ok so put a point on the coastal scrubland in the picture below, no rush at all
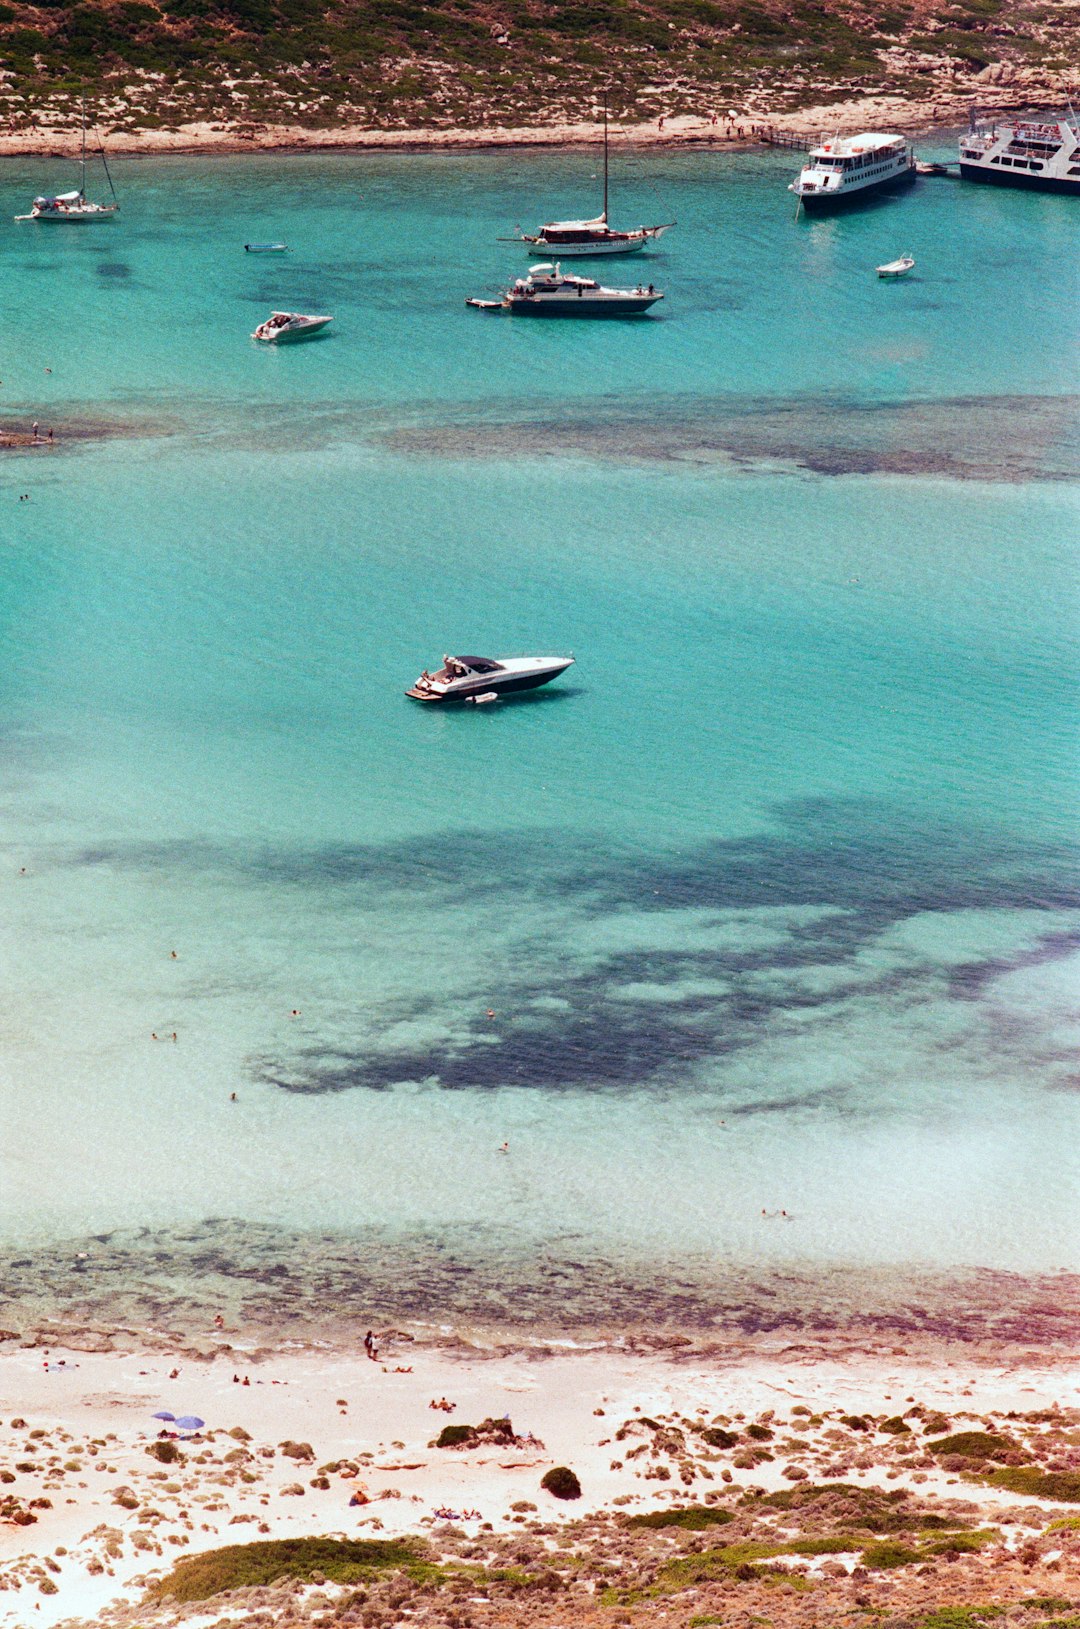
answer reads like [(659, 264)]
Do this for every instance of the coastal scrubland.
[(680, 1493), (247, 66)]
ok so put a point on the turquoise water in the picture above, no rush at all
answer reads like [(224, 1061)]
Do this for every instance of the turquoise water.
[(772, 904)]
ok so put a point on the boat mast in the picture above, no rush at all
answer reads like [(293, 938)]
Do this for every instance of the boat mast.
[(603, 217), (82, 182)]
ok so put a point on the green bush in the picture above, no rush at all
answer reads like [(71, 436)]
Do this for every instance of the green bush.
[(452, 1436), (1063, 1485), (167, 1452), (562, 1483), (973, 1445), (240, 1566), (888, 1554), (692, 1518)]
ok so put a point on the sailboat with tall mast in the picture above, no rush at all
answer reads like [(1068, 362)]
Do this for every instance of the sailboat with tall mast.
[(74, 206), (595, 237)]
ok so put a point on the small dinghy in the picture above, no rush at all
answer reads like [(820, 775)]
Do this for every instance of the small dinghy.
[(285, 327), (481, 701), (266, 248), (896, 268)]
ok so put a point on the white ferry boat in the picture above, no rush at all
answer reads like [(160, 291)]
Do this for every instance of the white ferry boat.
[(1022, 153), (849, 169)]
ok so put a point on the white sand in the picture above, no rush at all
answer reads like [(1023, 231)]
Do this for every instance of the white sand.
[(387, 1417)]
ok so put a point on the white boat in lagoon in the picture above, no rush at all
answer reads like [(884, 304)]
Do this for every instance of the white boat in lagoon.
[(850, 169), (1043, 156), (482, 679), (592, 237), (75, 207), (896, 268), (266, 248), (286, 327), (548, 291)]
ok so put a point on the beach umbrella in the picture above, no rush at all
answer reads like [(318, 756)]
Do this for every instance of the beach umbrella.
[(190, 1422), (163, 1414)]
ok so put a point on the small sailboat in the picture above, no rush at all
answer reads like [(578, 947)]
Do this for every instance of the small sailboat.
[(897, 268), (594, 237), (74, 206), (286, 327)]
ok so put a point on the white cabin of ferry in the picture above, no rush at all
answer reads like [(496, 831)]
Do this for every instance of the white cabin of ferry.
[(1042, 155), (847, 165)]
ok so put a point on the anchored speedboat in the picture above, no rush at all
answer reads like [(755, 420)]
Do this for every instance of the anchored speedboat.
[(285, 327), (548, 291), (897, 268), (483, 678)]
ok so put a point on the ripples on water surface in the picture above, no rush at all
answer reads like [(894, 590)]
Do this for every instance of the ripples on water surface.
[(771, 905)]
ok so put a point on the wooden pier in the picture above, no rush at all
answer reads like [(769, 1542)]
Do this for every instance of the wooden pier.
[(787, 138)]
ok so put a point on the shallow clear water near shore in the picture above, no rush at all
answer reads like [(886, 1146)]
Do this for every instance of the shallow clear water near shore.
[(773, 903)]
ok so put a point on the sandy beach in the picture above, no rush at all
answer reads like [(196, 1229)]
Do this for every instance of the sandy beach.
[(291, 1437), (946, 103)]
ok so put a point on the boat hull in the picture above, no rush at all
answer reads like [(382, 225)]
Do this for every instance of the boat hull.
[(586, 251), (70, 217), (828, 203), (1022, 181), (546, 306)]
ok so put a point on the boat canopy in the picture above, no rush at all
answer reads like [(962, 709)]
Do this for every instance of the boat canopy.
[(479, 664), (598, 225), (60, 198)]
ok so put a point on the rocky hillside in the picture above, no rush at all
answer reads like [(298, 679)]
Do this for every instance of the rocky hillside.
[(394, 63)]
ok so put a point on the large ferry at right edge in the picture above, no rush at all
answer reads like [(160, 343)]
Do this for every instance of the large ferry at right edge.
[(1044, 157), (849, 169)]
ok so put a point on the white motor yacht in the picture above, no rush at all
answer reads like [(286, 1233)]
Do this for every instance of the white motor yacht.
[(483, 678), (548, 291), (849, 169), (285, 327)]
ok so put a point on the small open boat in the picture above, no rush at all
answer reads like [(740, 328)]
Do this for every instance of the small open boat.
[(285, 327), (266, 248), (896, 268)]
